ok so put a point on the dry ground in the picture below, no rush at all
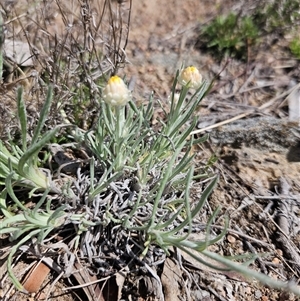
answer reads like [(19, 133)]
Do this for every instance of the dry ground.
[(258, 155)]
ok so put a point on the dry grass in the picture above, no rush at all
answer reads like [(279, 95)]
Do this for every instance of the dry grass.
[(74, 46)]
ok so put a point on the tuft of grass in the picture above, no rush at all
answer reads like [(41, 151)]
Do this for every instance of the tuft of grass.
[(230, 35), (277, 16), (21, 162), (295, 47)]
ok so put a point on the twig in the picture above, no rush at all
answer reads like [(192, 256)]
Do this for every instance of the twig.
[(213, 291), (286, 208), (221, 123), (245, 236), (252, 249), (264, 106)]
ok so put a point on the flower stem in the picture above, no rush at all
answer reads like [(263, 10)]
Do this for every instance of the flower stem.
[(120, 123)]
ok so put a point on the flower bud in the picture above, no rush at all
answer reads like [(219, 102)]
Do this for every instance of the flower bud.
[(190, 77), (116, 92)]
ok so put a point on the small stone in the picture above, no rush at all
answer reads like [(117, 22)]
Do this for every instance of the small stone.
[(231, 239), (258, 294), (276, 260)]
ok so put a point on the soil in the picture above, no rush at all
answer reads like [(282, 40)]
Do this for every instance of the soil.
[(258, 153)]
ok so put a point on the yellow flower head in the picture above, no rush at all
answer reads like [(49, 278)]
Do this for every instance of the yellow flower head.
[(116, 92), (191, 77)]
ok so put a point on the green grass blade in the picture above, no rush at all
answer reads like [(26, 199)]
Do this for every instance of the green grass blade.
[(266, 280), (26, 167), (3, 206), (11, 274), (43, 116), (190, 216), (208, 190), (11, 193), (22, 117)]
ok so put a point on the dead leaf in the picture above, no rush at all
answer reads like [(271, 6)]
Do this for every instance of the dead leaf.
[(170, 278), (36, 277), (120, 279), (93, 291)]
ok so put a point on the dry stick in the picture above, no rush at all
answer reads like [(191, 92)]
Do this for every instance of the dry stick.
[(285, 237), (294, 271), (252, 250), (245, 84), (221, 123), (265, 105), (53, 283), (287, 244), (215, 293), (249, 79), (272, 221), (15, 18), (245, 236)]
